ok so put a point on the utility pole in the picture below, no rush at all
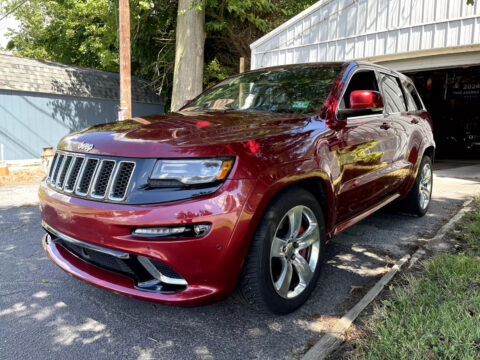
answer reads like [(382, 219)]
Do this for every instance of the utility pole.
[(242, 65), (125, 65)]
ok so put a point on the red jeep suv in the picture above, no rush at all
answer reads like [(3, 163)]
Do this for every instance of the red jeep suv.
[(240, 188)]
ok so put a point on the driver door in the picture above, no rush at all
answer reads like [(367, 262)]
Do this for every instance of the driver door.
[(365, 151)]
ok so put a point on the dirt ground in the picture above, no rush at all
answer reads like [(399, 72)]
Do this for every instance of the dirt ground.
[(23, 176)]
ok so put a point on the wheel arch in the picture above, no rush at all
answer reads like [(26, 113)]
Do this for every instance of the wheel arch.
[(430, 152), (317, 184), (314, 185)]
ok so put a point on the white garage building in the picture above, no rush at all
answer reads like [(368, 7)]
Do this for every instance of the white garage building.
[(436, 42)]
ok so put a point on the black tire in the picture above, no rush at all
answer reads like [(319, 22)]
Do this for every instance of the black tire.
[(412, 204), (256, 285)]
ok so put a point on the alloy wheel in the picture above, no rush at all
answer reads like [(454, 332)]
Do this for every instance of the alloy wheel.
[(425, 191), (295, 252)]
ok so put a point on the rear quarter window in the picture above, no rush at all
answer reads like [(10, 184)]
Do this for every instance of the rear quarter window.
[(395, 101), (413, 99)]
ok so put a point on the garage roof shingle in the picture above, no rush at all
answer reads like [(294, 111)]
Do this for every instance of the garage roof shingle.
[(38, 76)]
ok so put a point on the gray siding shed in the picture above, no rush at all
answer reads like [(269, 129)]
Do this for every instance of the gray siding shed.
[(42, 101)]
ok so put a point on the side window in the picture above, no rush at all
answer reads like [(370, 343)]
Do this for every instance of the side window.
[(413, 100), (361, 80), (395, 102)]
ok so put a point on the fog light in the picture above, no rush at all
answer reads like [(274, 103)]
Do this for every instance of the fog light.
[(187, 231)]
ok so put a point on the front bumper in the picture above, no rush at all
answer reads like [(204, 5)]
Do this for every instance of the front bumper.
[(209, 266)]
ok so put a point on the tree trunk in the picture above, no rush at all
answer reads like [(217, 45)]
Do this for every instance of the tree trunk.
[(189, 49)]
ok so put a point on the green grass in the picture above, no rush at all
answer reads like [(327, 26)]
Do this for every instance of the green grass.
[(470, 227), (436, 313)]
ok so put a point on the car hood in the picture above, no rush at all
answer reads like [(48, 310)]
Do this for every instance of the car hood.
[(190, 134)]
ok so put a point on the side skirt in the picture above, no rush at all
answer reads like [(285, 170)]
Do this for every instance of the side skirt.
[(347, 223)]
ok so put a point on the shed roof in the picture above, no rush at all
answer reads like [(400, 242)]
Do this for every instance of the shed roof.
[(39, 76)]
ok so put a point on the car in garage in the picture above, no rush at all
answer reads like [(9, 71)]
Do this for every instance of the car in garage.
[(241, 188)]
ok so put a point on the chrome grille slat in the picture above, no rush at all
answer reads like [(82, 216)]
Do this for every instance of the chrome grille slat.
[(102, 179), (86, 176), (73, 174), (91, 176), (122, 177), (67, 161), (58, 164), (52, 167)]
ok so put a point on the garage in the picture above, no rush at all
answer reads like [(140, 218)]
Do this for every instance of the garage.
[(452, 97), (435, 42)]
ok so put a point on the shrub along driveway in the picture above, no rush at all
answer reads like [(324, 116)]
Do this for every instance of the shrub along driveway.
[(44, 313)]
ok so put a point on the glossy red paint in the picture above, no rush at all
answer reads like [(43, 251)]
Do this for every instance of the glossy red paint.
[(364, 99), (193, 295), (354, 166)]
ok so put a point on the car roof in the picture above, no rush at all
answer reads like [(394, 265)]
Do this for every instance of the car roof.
[(302, 65), (345, 64)]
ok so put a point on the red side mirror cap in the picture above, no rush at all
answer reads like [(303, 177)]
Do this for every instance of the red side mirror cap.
[(366, 99)]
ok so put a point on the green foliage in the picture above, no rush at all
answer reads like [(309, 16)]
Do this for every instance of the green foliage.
[(214, 72), (68, 31), (84, 33)]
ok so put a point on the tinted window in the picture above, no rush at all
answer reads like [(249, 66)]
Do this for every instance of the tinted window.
[(413, 100), (290, 90), (361, 80), (395, 102)]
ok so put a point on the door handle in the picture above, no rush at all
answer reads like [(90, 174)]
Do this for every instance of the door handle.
[(414, 121), (385, 126)]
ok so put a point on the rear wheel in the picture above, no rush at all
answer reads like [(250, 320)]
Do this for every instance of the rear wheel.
[(418, 199), (283, 263)]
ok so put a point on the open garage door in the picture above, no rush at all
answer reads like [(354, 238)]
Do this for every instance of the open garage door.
[(452, 96)]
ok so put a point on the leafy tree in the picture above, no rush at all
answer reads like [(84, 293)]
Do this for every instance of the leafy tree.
[(84, 33)]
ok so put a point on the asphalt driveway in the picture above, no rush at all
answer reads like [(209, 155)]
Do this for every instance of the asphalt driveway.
[(45, 313)]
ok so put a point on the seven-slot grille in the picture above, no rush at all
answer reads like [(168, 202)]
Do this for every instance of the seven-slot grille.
[(88, 176)]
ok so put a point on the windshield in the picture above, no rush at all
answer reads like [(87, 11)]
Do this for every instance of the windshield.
[(291, 90)]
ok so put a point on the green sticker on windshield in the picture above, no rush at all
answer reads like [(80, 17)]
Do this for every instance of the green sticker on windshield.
[(301, 104)]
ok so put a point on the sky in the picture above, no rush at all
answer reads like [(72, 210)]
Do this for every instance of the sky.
[(8, 22)]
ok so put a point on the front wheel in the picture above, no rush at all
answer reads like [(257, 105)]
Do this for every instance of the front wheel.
[(418, 199), (283, 263)]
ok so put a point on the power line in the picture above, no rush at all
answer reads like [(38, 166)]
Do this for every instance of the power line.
[(13, 10)]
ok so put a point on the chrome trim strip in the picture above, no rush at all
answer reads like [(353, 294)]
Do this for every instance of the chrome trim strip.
[(360, 117), (147, 264), (73, 241)]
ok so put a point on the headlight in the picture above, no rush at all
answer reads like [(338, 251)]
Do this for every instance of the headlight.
[(190, 172)]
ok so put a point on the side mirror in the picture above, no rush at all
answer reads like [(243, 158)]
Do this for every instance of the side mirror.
[(362, 102), (364, 99)]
